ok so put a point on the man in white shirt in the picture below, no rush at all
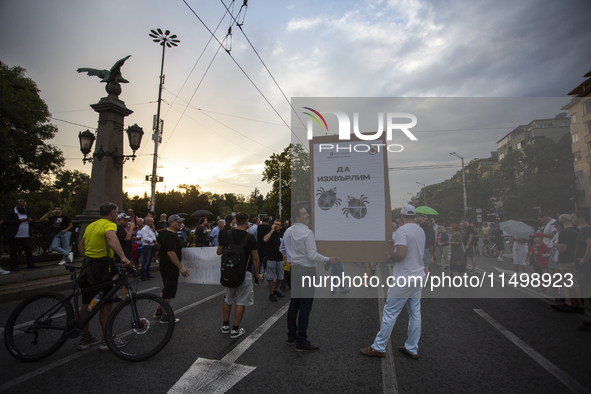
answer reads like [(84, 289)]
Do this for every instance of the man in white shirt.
[(304, 258), (148, 236), (255, 224), (409, 275)]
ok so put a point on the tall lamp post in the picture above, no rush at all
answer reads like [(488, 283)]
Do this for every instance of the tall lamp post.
[(464, 184), (165, 40), (424, 191)]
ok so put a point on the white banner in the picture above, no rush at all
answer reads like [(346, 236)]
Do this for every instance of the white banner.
[(203, 265)]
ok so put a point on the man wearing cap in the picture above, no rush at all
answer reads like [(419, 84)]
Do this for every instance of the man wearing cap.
[(429, 237), (170, 262), (409, 275)]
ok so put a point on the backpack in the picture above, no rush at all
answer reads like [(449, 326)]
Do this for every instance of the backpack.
[(234, 262)]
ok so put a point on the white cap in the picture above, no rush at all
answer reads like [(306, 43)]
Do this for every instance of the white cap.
[(123, 216), (408, 210)]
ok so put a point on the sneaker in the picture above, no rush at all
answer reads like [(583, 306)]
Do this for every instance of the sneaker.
[(3, 272), (272, 297), (307, 347), (290, 341), (500, 259), (438, 265), (158, 313), (118, 343), (237, 333), (256, 284), (157, 262), (85, 343), (62, 262), (164, 319), (278, 294), (472, 271), (225, 329), (70, 257)]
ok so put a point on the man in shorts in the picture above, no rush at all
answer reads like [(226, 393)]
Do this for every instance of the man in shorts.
[(171, 248), (275, 261), (98, 245), (242, 295)]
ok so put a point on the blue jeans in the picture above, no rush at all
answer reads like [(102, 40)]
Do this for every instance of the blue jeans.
[(61, 244), (426, 257), (397, 298), (147, 253), (338, 269)]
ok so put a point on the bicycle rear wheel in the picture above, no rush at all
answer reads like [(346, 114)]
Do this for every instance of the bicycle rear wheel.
[(488, 251), (144, 338), (37, 326)]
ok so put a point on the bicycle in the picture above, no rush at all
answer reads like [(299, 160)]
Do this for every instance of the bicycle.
[(41, 324)]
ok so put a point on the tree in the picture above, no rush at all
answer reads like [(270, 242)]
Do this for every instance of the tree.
[(295, 179), (72, 186), (26, 161)]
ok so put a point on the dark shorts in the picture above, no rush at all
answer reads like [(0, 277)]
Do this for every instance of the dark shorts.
[(170, 279), (500, 245), (469, 251), (100, 271)]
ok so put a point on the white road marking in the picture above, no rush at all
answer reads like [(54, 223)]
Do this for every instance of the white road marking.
[(537, 357), (389, 382), (213, 376), (74, 356)]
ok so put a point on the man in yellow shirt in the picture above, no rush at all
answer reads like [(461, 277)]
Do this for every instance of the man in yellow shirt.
[(98, 245)]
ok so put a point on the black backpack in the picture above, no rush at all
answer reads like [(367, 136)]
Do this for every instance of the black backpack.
[(234, 262)]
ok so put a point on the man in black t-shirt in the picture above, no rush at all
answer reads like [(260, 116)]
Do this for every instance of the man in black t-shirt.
[(124, 236), (275, 261), (171, 250), (160, 226), (262, 230), (61, 226), (243, 295), (469, 236), (201, 236)]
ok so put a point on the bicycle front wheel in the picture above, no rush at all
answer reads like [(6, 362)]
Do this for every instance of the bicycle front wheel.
[(488, 251), (138, 340), (38, 326)]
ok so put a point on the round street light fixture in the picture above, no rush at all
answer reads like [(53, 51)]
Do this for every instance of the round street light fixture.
[(86, 140), (134, 135)]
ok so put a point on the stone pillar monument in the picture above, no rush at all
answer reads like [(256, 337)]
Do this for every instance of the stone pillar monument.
[(106, 181)]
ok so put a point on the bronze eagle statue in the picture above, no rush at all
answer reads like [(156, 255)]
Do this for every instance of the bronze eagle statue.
[(112, 75)]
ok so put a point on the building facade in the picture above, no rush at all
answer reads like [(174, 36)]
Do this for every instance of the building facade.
[(554, 128), (579, 110)]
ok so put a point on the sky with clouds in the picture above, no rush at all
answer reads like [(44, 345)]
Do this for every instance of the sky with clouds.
[(219, 129)]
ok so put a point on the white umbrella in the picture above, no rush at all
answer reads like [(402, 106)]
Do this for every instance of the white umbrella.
[(516, 229)]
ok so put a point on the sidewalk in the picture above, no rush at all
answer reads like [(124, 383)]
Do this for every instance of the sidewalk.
[(27, 282)]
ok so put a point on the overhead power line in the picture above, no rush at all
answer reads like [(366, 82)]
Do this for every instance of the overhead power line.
[(244, 72)]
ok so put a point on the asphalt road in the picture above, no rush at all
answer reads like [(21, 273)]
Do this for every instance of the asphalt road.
[(467, 345)]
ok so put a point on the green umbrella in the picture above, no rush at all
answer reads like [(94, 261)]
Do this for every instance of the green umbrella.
[(426, 211)]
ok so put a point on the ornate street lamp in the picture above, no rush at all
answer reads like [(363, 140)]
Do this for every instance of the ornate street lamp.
[(86, 141), (134, 135)]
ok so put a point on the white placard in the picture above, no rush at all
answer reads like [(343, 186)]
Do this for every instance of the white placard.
[(348, 184), (203, 265)]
